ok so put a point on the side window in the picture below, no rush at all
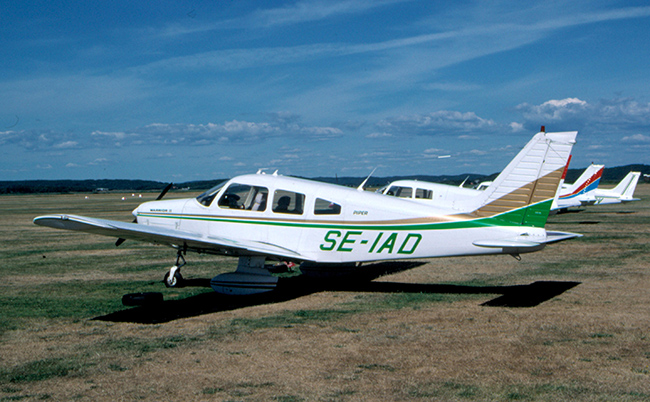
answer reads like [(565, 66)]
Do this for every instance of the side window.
[(288, 202), (424, 194), (401, 192), (244, 196), (325, 207)]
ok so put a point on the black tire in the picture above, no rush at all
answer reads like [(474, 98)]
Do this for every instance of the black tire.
[(176, 282)]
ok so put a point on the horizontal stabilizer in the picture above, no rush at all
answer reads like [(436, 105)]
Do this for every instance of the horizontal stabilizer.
[(554, 237), (522, 243), (506, 243)]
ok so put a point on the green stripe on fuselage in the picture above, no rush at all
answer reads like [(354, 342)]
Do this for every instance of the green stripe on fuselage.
[(532, 215)]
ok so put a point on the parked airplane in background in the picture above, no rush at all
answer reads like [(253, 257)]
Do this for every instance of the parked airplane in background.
[(329, 228), (623, 192), (582, 191)]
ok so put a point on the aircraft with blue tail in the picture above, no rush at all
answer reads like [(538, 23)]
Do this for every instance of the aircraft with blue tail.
[(582, 191)]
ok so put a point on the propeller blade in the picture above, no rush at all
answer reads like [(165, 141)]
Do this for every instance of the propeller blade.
[(165, 190), (121, 240), (160, 196)]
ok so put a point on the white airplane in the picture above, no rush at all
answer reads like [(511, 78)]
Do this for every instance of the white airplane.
[(329, 228), (582, 191), (445, 195), (623, 192)]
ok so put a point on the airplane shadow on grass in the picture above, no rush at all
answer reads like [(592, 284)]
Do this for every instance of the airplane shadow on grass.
[(293, 287)]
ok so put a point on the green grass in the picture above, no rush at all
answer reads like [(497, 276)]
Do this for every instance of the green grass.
[(45, 369)]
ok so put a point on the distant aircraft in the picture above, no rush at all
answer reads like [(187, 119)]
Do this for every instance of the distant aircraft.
[(445, 195), (582, 191), (329, 228), (623, 192)]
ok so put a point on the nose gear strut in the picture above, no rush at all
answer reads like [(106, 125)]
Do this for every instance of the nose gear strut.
[(174, 278)]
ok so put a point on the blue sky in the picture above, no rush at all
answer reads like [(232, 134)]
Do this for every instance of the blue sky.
[(191, 90)]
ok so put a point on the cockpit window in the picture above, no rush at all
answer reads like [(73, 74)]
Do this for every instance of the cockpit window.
[(482, 186), (401, 192), (244, 196), (207, 197), (325, 207), (422, 193), (288, 202)]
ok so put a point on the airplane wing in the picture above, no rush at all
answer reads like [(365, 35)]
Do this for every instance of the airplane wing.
[(178, 239)]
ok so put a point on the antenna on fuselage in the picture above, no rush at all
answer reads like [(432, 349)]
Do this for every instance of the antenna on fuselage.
[(360, 188)]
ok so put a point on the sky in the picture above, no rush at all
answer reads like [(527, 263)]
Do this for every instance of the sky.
[(198, 90)]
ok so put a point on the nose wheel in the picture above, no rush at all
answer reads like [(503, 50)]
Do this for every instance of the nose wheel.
[(173, 278)]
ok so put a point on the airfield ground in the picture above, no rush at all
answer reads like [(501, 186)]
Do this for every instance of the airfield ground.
[(571, 322)]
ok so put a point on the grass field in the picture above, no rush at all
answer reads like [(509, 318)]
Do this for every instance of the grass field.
[(571, 322)]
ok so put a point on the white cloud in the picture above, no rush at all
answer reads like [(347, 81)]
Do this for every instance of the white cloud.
[(516, 127), (441, 122), (67, 144), (379, 135), (308, 11), (99, 161), (607, 116), (636, 138), (116, 135), (554, 110)]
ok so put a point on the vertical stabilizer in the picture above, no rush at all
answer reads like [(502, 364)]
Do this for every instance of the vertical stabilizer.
[(524, 191), (588, 181), (625, 189)]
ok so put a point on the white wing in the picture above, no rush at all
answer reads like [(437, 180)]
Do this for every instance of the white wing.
[(178, 239)]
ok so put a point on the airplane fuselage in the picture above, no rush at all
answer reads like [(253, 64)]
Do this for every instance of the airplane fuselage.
[(333, 224)]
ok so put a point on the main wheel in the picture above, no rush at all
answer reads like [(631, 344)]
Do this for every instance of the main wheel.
[(173, 280)]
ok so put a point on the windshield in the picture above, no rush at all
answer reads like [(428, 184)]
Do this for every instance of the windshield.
[(399, 191), (207, 197)]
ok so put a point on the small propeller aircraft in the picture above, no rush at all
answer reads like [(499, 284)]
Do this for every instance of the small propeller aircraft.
[(439, 194), (623, 192), (582, 191), (329, 228)]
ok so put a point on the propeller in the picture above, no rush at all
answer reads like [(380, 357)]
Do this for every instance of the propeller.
[(120, 240), (165, 190)]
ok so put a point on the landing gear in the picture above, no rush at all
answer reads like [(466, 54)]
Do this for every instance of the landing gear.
[(173, 278)]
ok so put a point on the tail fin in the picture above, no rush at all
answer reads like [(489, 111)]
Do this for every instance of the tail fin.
[(588, 181), (524, 191), (625, 189)]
